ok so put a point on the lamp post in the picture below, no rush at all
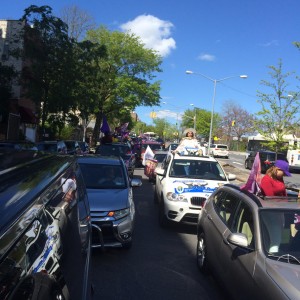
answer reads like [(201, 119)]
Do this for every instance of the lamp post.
[(194, 116), (215, 81)]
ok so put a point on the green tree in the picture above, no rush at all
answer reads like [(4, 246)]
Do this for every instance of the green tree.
[(203, 118), (280, 109), (126, 74), (49, 77)]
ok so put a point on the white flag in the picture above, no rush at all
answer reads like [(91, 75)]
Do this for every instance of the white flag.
[(148, 155)]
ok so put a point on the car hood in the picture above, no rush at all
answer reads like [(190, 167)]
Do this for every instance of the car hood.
[(286, 276), (105, 200), (199, 186)]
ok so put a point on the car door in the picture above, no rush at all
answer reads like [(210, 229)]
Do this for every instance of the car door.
[(237, 263), (219, 213)]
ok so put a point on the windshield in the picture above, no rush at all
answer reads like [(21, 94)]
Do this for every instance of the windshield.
[(98, 176), (160, 156), (208, 170), (113, 150), (280, 231)]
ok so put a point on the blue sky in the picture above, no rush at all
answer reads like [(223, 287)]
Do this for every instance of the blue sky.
[(216, 38)]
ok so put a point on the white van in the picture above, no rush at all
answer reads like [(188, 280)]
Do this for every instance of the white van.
[(219, 150)]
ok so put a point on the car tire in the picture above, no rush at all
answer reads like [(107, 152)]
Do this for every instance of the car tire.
[(162, 219), (201, 254), (246, 165)]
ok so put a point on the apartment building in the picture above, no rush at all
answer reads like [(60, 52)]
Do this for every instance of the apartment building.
[(22, 113)]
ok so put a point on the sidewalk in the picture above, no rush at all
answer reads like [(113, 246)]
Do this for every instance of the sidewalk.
[(241, 175)]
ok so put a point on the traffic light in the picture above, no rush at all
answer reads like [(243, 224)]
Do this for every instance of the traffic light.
[(233, 123)]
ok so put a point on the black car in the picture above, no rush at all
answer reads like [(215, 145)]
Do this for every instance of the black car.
[(119, 150), (267, 159), (18, 145), (45, 227), (56, 147)]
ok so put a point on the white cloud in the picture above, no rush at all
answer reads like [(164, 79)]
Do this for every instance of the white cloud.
[(164, 114), (154, 33), (207, 57), (271, 43)]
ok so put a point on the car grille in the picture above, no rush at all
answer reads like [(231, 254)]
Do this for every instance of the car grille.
[(107, 232), (198, 201)]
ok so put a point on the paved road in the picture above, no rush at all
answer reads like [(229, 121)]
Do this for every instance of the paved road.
[(160, 265)]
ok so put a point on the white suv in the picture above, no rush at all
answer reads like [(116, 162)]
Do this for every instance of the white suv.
[(219, 150), (183, 183)]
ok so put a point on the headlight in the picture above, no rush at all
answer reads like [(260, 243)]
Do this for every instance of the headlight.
[(176, 197), (119, 214)]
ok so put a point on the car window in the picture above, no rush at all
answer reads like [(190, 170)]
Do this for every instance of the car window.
[(225, 206), (159, 157), (243, 223), (98, 176), (280, 231), (221, 146), (197, 169)]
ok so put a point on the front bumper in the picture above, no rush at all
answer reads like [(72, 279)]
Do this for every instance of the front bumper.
[(108, 232), (184, 212)]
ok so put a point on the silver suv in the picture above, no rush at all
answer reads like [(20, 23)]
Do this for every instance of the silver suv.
[(251, 244), (110, 196)]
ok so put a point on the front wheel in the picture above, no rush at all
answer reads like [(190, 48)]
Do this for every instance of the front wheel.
[(201, 254)]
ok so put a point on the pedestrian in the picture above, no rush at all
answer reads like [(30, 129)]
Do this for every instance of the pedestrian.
[(272, 183)]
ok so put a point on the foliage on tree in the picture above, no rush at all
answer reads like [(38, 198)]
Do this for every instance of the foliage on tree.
[(49, 75), (203, 120), (127, 74), (78, 21), (280, 109), (236, 121)]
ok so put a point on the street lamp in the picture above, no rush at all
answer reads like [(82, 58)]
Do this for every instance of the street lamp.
[(215, 81), (194, 116)]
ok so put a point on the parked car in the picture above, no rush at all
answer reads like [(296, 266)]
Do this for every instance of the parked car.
[(267, 159), (159, 156), (73, 147), (141, 149), (44, 228), (18, 145), (183, 183), (55, 147), (219, 150), (111, 200), (85, 148), (172, 146), (252, 245), (119, 149)]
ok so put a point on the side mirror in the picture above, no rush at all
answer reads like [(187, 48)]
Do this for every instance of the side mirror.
[(231, 176), (238, 239), (135, 182)]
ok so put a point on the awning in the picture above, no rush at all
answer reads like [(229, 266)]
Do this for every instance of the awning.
[(27, 115)]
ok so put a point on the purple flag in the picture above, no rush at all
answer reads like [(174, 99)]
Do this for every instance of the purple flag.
[(253, 183), (104, 127)]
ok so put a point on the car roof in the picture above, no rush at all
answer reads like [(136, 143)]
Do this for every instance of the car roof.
[(194, 157), (100, 160)]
